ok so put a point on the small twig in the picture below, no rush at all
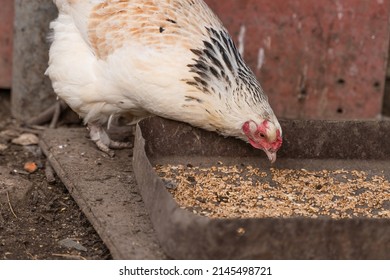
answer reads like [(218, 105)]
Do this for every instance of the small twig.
[(43, 117), (10, 206), (74, 257), (56, 115), (32, 256), (47, 115), (49, 173), (37, 127)]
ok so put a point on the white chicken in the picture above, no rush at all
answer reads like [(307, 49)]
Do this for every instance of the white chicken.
[(171, 58)]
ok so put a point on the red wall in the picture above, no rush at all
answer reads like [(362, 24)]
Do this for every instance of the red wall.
[(6, 31), (322, 59), (318, 59)]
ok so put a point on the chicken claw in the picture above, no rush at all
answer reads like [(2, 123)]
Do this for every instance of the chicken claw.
[(103, 141)]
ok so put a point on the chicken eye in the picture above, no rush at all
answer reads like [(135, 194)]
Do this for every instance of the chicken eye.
[(262, 135)]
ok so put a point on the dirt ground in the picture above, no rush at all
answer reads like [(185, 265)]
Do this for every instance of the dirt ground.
[(38, 220)]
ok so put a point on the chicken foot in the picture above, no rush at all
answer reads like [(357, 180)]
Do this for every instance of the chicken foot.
[(103, 141)]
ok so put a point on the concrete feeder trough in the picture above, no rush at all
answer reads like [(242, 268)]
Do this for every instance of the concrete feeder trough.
[(313, 145)]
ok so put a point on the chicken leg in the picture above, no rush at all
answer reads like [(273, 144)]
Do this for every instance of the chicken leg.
[(103, 141)]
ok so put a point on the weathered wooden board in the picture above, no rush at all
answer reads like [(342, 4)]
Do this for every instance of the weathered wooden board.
[(106, 192)]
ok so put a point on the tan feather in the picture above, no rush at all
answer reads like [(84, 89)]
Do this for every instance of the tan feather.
[(112, 24)]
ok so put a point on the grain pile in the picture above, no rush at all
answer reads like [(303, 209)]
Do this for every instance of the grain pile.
[(241, 191)]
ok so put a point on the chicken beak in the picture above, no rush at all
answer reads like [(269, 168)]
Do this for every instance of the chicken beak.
[(271, 156)]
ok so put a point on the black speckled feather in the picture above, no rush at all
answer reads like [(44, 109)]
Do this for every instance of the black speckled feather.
[(220, 63)]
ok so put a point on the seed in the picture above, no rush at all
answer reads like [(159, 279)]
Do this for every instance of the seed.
[(244, 191)]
